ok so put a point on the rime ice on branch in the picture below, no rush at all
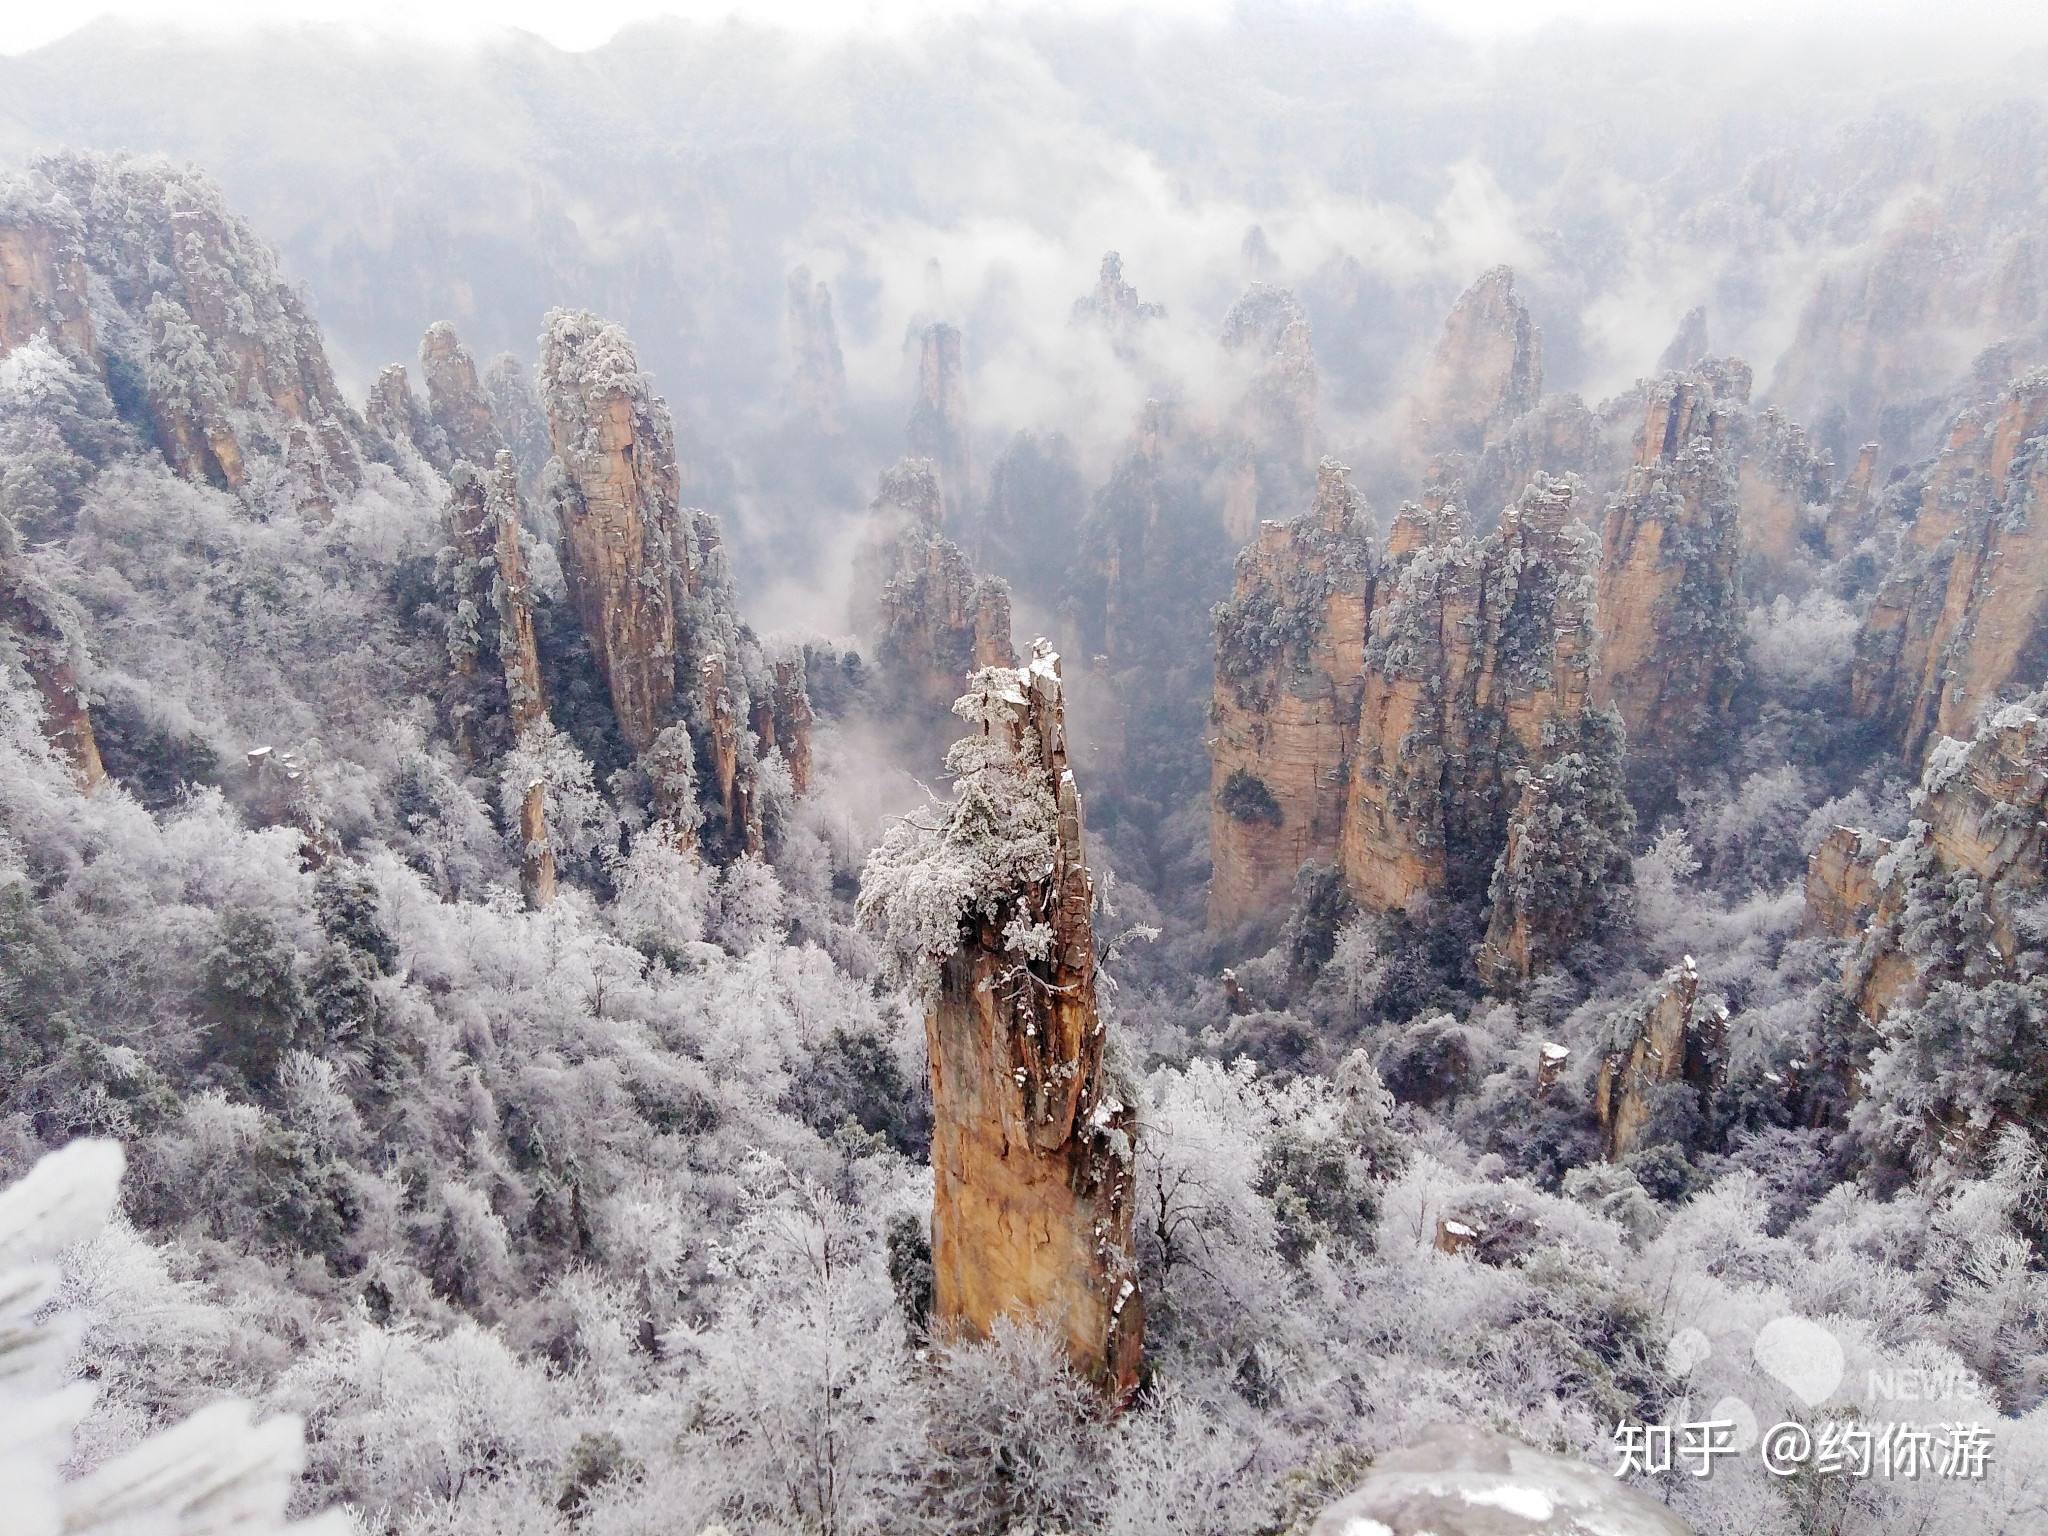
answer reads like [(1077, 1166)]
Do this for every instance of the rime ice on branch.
[(986, 908)]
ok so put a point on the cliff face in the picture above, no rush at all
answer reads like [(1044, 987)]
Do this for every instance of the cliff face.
[(203, 339), (1668, 598), (1290, 669), (1781, 475), (43, 286), (456, 400), (395, 414), (491, 636), (817, 368), (1481, 646), (47, 652), (932, 620), (1032, 1195), (1671, 1035), (1487, 368), (1565, 870), (938, 416), (615, 495), (1268, 331), (648, 577), (1962, 618), (1950, 900)]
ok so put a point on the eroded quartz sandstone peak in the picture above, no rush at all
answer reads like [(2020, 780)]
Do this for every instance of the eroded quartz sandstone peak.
[(616, 496), (817, 367), (931, 618), (1672, 1033), (228, 360), (1115, 306), (1477, 647), (938, 428), (1668, 596), (1290, 667), (1977, 851), (992, 911), (1962, 618), (456, 400), (1269, 330), (1487, 368), (491, 635)]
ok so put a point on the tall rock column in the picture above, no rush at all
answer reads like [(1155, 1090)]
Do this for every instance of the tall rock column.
[(616, 495), (932, 619), (1672, 1034), (1487, 368), (1290, 667), (817, 375), (938, 416), (1963, 616), (1479, 647), (455, 399), (991, 913), (1669, 602)]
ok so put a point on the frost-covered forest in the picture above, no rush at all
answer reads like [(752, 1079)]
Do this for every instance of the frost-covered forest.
[(637, 995)]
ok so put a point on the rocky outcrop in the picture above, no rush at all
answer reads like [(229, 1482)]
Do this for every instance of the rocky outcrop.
[(43, 284), (614, 488), (1267, 331), (1290, 669), (491, 643), (1780, 477), (1115, 307), (1032, 1175), (395, 414), (817, 369), (519, 417), (1841, 881), (456, 401), (1556, 436), (1849, 507), (648, 577), (1671, 1034), (47, 650), (931, 618), (1480, 647), (938, 417), (1688, 344), (1962, 618), (784, 722), (1668, 594), (1486, 370), (1951, 900), (536, 852), (1565, 871), (201, 334)]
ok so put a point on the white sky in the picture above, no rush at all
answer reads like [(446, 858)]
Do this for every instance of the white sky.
[(587, 23)]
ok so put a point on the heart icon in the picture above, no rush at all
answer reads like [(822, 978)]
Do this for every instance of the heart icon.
[(1801, 1355)]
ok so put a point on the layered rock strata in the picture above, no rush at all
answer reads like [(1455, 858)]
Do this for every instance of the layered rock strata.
[(1486, 369), (938, 428), (1668, 593), (1031, 1145), (1962, 618), (1673, 1034), (1480, 646), (1290, 670)]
